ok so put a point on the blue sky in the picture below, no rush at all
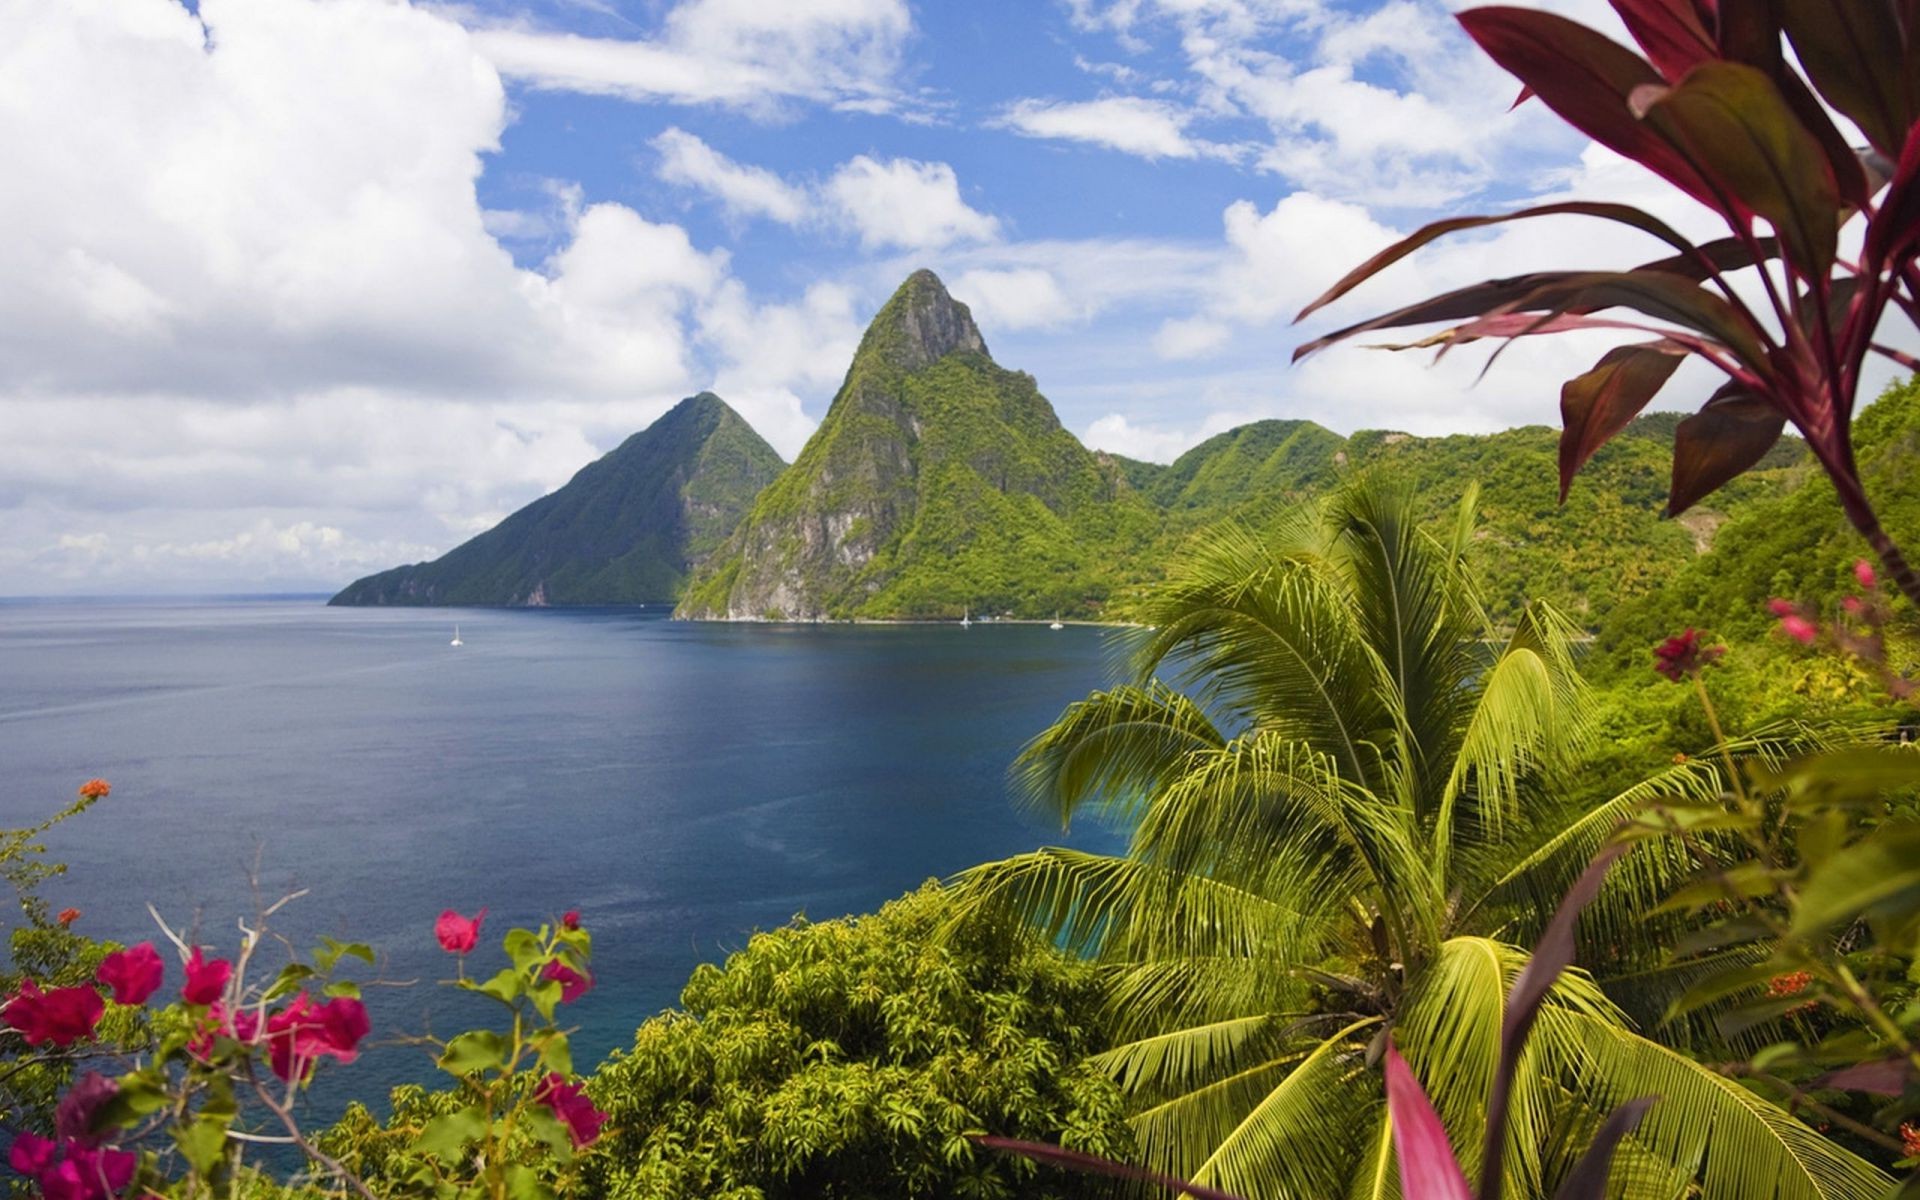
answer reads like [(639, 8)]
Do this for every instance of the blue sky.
[(299, 289)]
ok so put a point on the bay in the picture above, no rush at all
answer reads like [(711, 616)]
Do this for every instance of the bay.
[(682, 784)]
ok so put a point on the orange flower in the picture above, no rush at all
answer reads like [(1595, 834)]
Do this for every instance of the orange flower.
[(67, 917), (1910, 1139), (93, 789), (1790, 984)]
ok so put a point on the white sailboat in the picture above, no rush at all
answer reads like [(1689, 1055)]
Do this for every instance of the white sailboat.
[(456, 637), (1056, 622), (966, 618)]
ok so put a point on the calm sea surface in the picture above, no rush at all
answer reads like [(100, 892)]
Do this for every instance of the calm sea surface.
[(682, 784)]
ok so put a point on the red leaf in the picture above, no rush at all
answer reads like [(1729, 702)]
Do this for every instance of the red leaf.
[(1586, 78), (1731, 432), (1588, 1179), (1621, 213), (1669, 32), (1852, 50), (1552, 954), (1735, 126), (1459, 304), (1428, 1169), (1598, 404), (1893, 236), (1887, 1077)]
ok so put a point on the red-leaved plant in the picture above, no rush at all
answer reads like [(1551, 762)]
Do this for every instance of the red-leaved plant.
[(1717, 108)]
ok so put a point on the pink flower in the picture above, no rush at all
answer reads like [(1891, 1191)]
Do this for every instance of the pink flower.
[(573, 984), (206, 981), (62, 1016), (458, 934), (1799, 629), (1854, 605), (89, 1174), (76, 1118), (242, 1026), (134, 974), (1863, 571), (1682, 655), (571, 919), (1781, 608), (32, 1154), (301, 1034), (569, 1102)]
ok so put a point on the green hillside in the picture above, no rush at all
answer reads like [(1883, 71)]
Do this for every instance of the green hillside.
[(937, 483), (626, 529)]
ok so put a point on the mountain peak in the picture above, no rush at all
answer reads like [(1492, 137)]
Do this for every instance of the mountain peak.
[(922, 324)]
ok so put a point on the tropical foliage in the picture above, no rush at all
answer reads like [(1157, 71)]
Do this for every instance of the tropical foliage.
[(1329, 791), (1719, 108), (849, 1059)]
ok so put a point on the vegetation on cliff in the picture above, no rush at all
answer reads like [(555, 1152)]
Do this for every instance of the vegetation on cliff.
[(626, 529)]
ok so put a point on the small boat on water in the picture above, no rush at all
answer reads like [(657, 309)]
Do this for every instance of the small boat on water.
[(966, 618), (1056, 622), (456, 637)]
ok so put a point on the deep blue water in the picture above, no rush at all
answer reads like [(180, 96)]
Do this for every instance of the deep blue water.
[(682, 784)]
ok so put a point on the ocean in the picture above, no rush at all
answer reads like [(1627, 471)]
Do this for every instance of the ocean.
[(681, 784)]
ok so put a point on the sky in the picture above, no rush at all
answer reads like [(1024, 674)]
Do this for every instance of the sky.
[(296, 290)]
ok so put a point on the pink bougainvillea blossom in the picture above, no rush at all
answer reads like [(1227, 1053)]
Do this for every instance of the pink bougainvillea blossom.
[(1863, 571), (301, 1034), (458, 934), (1799, 629), (134, 974), (206, 981), (573, 984), (571, 919), (61, 1017), (569, 1102)]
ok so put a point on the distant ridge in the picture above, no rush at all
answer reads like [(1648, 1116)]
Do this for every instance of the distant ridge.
[(627, 529)]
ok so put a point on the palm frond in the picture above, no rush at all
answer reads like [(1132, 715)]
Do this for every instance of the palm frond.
[(1116, 748), (1730, 1140)]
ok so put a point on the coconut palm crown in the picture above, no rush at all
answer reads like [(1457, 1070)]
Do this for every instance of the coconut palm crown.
[(1331, 763)]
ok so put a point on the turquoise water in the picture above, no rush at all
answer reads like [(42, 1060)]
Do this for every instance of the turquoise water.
[(681, 784)]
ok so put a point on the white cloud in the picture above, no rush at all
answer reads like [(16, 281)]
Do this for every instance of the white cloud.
[(1117, 435), (743, 54), (743, 191), (1133, 125), (904, 204), (1018, 298)]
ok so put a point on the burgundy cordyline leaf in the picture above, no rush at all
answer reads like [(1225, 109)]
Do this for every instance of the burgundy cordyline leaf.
[(1732, 123), (1597, 405), (1552, 954), (1585, 78), (1624, 214), (1731, 432), (1886, 1078), (1428, 1169), (1669, 32), (1842, 45), (1588, 1179)]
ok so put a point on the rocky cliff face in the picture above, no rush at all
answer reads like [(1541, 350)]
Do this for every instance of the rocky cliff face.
[(938, 482), (626, 530)]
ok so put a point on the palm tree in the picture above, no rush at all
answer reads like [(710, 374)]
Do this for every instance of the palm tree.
[(1328, 793)]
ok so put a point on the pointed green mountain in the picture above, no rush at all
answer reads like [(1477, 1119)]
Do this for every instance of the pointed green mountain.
[(627, 529), (938, 482)]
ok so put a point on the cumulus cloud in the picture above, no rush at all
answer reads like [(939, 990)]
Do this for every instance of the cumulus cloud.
[(904, 204), (268, 296), (743, 191), (1017, 298), (743, 54), (1131, 124)]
